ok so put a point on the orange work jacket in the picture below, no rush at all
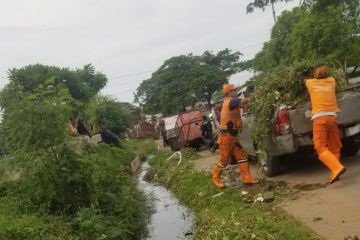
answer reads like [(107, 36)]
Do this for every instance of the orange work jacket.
[(227, 115), (322, 95)]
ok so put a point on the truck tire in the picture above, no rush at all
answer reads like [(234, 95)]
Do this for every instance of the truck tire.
[(350, 147), (174, 144), (271, 166)]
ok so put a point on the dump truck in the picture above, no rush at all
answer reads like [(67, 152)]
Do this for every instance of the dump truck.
[(292, 131)]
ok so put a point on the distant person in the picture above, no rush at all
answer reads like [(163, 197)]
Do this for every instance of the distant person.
[(109, 137), (163, 131), (81, 128), (324, 108), (71, 127)]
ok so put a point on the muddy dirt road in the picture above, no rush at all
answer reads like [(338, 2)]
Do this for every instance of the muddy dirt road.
[(332, 211)]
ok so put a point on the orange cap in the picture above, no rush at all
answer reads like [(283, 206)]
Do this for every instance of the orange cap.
[(228, 88), (321, 72)]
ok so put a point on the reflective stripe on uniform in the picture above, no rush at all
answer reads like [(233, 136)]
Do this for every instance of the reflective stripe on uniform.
[(223, 167), (242, 161)]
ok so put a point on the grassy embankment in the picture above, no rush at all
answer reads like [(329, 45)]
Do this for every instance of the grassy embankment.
[(115, 211), (222, 216)]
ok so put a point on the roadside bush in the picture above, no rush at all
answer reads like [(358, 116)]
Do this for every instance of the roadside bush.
[(94, 195)]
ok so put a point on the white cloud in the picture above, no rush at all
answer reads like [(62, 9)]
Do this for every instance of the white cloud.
[(125, 38)]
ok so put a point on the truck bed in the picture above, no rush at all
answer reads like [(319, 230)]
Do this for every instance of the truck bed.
[(348, 101)]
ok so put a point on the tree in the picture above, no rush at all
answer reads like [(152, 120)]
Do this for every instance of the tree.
[(108, 111), (319, 31), (225, 60), (262, 4), (83, 83), (182, 81), (207, 80)]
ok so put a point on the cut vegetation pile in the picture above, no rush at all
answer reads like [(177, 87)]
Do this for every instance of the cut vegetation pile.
[(282, 85)]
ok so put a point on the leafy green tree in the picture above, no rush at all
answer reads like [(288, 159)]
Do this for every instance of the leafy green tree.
[(83, 83), (184, 80), (319, 31), (226, 60), (206, 81), (108, 111)]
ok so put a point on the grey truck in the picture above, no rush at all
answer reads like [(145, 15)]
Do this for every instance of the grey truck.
[(292, 131)]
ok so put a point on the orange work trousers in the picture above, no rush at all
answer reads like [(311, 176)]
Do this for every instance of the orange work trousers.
[(230, 145), (326, 135)]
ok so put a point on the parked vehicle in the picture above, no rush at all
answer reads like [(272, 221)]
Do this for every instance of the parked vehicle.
[(170, 124), (293, 130), (188, 129)]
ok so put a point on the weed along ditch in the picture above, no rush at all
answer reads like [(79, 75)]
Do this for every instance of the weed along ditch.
[(168, 218)]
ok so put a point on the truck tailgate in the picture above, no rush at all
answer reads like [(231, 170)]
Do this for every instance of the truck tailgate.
[(348, 101)]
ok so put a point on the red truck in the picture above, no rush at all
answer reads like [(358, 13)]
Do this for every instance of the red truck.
[(188, 130)]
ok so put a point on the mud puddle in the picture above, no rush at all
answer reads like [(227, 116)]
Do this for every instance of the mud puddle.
[(169, 219), (309, 187)]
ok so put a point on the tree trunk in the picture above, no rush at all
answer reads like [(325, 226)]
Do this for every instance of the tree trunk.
[(273, 10)]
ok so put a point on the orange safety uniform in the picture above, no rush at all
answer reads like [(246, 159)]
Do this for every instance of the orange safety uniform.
[(229, 144), (325, 129), (230, 124)]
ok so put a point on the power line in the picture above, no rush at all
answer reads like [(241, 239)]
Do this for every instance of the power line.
[(150, 71), (132, 74)]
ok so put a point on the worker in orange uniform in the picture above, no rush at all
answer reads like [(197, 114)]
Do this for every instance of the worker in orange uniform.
[(324, 117), (230, 125)]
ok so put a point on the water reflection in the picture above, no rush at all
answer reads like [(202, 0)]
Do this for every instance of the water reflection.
[(169, 219)]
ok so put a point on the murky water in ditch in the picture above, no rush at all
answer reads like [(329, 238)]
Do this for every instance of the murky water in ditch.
[(169, 219)]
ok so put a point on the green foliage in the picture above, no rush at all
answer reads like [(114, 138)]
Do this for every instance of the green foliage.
[(226, 216), (117, 210), (261, 4), (82, 83), (108, 111), (282, 85), (327, 30), (36, 120), (91, 193), (32, 226), (225, 60), (184, 80), (141, 147), (87, 191), (318, 31)]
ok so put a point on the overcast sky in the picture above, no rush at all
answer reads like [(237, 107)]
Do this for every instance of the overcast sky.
[(126, 39)]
